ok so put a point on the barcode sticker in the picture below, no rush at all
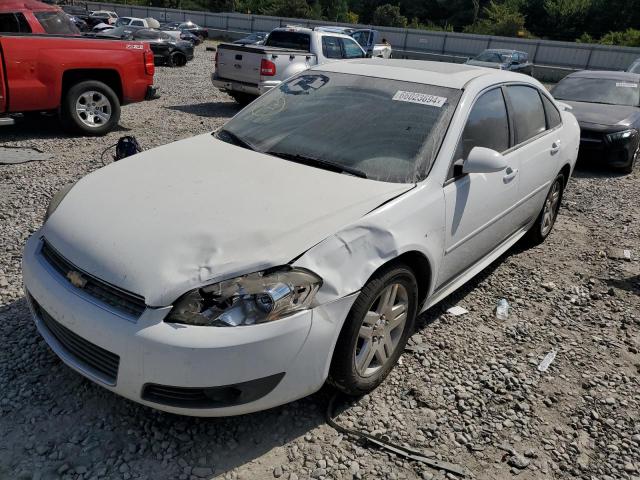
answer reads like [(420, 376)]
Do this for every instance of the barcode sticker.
[(626, 85), (421, 98)]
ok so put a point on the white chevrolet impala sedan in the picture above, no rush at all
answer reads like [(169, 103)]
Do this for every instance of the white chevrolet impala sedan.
[(236, 271)]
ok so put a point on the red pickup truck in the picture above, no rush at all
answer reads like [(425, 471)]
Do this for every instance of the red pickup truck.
[(84, 80)]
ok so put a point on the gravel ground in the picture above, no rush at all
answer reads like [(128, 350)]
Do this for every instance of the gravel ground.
[(467, 389)]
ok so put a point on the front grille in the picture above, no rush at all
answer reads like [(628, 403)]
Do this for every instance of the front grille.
[(121, 300), (90, 356)]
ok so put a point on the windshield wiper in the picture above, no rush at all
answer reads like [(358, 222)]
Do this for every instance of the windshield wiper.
[(316, 162), (234, 138)]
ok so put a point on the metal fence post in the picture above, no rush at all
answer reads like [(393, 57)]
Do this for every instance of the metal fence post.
[(586, 67), (252, 22), (444, 43), (535, 52), (406, 35)]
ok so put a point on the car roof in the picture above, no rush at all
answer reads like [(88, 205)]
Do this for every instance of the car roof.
[(606, 75), (21, 5), (453, 75)]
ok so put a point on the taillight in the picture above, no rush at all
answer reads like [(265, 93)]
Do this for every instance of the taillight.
[(149, 66), (267, 68)]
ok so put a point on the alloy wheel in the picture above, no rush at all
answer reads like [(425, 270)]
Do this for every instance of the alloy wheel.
[(93, 108), (381, 329), (551, 206)]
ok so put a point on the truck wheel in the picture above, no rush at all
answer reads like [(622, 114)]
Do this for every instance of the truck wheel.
[(242, 98), (90, 108), (375, 332)]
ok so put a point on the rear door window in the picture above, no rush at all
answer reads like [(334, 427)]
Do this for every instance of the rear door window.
[(528, 112), (487, 125), (351, 49), (331, 47), (137, 23), (14, 23)]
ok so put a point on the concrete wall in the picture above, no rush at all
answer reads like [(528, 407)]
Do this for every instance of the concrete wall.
[(410, 43)]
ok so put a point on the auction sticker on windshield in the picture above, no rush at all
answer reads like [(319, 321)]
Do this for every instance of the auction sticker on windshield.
[(627, 85), (421, 98)]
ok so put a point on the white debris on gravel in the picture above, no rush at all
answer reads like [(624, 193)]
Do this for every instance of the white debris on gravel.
[(472, 389)]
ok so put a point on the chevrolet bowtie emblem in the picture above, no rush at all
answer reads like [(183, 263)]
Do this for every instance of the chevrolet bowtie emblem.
[(76, 279)]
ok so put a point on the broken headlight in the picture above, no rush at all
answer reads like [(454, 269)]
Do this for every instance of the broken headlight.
[(247, 300)]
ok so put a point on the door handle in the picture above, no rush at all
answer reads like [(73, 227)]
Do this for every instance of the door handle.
[(555, 147), (510, 174)]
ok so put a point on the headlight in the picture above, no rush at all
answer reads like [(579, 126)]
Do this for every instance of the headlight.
[(57, 199), (248, 300), (623, 135)]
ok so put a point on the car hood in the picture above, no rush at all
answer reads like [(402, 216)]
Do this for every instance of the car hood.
[(201, 210), (601, 116), (477, 63)]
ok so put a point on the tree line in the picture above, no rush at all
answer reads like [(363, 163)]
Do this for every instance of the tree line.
[(611, 22)]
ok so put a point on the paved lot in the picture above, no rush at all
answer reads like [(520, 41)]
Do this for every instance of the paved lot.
[(468, 390)]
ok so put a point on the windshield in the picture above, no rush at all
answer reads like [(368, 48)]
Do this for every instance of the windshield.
[(493, 57), (598, 90), (57, 23), (388, 130), (635, 67), (291, 40)]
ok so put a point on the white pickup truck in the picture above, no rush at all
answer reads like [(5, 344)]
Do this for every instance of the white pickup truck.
[(371, 40), (246, 71)]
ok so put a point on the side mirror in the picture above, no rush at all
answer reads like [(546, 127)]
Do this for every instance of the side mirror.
[(484, 160)]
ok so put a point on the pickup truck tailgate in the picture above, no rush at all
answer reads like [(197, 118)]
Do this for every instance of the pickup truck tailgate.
[(239, 63)]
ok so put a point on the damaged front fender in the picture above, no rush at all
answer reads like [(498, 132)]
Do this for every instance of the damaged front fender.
[(413, 222)]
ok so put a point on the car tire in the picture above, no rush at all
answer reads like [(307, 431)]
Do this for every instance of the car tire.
[(627, 169), (547, 217), (369, 344), (177, 59), (101, 111)]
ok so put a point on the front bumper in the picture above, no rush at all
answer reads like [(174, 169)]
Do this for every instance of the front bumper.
[(595, 147), (268, 364), (243, 87)]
